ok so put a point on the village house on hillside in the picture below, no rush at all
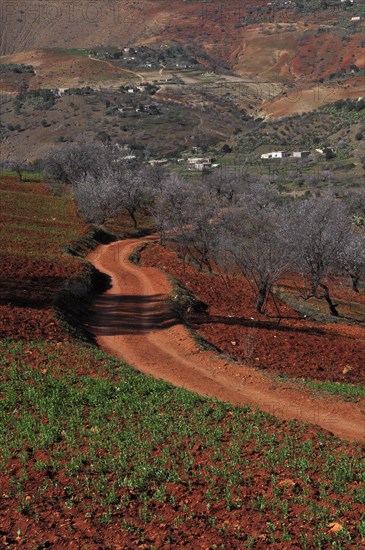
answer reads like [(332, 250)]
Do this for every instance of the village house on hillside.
[(203, 165), (300, 154), (293, 154), (275, 155), (325, 150), (200, 163), (155, 162), (198, 160)]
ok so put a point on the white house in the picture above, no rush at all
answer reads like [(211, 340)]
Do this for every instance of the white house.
[(154, 162), (192, 160), (128, 157), (300, 154), (203, 165), (61, 91), (322, 151), (275, 155)]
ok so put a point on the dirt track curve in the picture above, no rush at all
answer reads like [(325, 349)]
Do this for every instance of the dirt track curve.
[(132, 321)]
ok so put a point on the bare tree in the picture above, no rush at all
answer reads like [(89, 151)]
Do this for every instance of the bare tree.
[(256, 243), (77, 160), (155, 176), (101, 196), (55, 166), (224, 184), (203, 219), (352, 257), (103, 183), (98, 197), (357, 207), (190, 215), (171, 207), (133, 189), (319, 230), (19, 167)]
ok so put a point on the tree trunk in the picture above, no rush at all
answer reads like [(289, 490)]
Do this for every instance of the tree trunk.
[(355, 279), (204, 260), (314, 286), (261, 299), (133, 216), (327, 297), (162, 238), (209, 266)]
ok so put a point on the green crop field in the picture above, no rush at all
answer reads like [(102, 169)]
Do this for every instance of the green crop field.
[(35, 225), (124, 448)]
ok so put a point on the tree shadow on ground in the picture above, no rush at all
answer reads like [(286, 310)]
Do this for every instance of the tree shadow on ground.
[(242, 321), (119, 315)]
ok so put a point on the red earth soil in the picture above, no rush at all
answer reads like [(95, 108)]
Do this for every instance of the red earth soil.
[(27, 291), (28, 282), (297, 347), (133, 321)]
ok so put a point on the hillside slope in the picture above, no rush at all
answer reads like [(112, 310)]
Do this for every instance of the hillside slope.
[(277, 45), (40, 24)]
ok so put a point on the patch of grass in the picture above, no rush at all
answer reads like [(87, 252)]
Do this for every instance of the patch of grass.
[(351, 392), (305, 308), (27, 176), (183, 302)]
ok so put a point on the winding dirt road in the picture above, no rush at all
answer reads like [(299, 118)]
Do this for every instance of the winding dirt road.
[(132, 321)]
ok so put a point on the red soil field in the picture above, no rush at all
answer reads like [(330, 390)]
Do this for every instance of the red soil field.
[(32, 267), (296, 347)]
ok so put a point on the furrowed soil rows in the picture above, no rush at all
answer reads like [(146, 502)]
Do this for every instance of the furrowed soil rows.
[(34, 225)]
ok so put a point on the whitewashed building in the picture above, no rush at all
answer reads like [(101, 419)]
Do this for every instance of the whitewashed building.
[(301, 154), (203, 165), (275, 155)]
